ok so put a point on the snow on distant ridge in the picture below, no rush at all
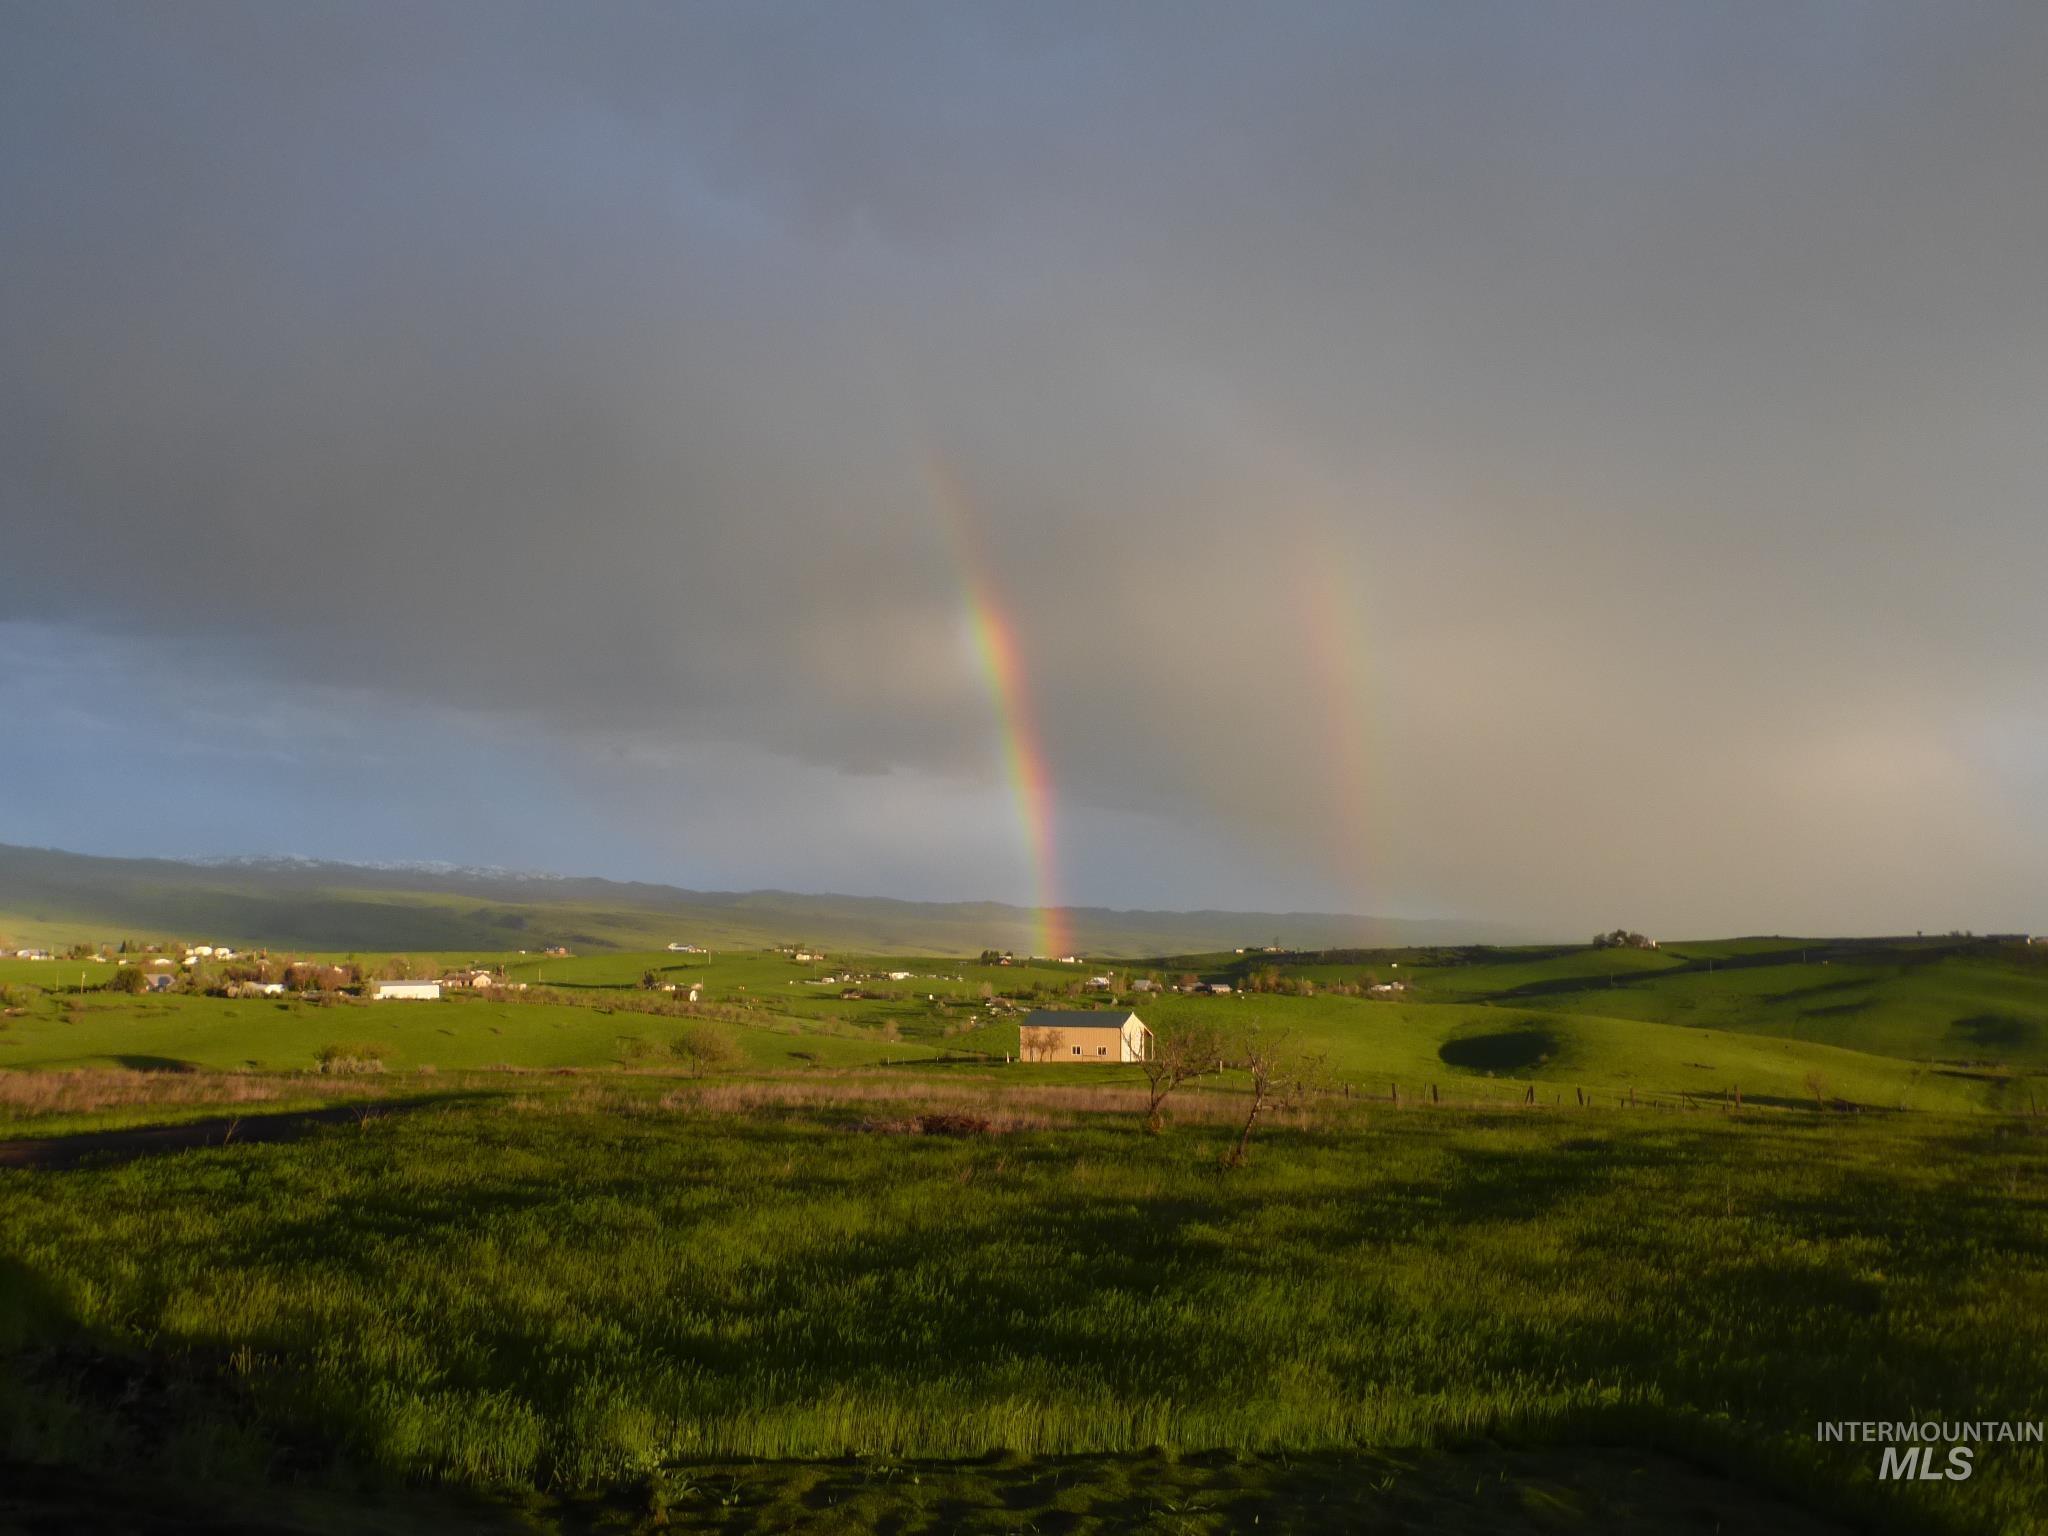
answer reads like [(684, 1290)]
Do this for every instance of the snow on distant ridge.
[(296, 861)]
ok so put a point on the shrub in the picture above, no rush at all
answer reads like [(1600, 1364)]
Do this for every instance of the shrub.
[(352, 1056), (703, 1050)]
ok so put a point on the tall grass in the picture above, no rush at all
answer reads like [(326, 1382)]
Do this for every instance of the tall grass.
[(575, 1296)]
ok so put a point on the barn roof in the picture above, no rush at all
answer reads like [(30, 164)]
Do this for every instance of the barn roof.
[(1079, 1018)]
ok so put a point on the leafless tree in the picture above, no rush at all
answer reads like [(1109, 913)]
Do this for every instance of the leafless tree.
[(1282, 1076), (1040, 1044), (1189, 1052)]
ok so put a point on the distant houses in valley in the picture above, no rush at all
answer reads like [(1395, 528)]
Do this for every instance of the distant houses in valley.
[(1065, 1034)]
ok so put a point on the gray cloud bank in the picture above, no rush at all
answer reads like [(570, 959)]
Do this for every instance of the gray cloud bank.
[(1561, 465)]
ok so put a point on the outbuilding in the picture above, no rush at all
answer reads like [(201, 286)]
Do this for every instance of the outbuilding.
[(407, 991), (1072, 1034)]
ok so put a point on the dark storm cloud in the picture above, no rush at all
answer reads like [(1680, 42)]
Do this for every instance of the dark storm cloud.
[(1660, 393)]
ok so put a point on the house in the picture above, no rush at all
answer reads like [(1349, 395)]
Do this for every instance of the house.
[(1142, 985), (1219, 988), (160, 982), (257, 988), (1062, 1034), (1100, 983), (407, 991), (899, 975)]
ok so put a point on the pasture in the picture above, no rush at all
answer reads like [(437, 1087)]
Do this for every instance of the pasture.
[(1524, 1262), (601, 1284)]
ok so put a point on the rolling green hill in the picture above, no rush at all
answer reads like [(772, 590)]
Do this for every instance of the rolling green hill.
[(52, 897), (1601, 1044)]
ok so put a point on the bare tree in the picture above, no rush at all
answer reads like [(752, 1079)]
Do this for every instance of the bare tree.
[(1189, 1052), (1040, 1044), (1282, 1076)]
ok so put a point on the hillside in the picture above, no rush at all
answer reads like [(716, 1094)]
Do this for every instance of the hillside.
[(48, 896)]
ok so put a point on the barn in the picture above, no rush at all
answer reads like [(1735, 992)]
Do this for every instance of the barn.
[(414, 991), (1072, 1034)]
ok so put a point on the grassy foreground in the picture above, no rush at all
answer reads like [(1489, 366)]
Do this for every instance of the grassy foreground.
[(572, 1287)]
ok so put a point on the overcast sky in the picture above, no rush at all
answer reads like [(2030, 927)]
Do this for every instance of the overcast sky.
[(1563, 464)]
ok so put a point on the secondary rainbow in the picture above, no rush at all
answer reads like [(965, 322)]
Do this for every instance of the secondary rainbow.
[(1003, 675)]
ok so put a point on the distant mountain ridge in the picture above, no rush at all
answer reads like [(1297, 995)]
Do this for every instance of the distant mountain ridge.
[(325, 905)]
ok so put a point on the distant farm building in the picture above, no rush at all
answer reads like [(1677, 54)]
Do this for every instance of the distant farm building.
[(160, 982), (407, 991), (1059, 1034)]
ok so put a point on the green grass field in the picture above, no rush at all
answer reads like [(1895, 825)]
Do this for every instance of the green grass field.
[(1948, 1032), (537, 1264), (576, 1288)]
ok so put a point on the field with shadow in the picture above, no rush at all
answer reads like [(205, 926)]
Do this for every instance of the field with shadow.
[(593, 1298)]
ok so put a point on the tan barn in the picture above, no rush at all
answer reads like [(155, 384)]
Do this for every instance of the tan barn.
[(1058, 1034)]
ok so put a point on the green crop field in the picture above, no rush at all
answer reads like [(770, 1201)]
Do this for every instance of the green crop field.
[(1565, 1239)]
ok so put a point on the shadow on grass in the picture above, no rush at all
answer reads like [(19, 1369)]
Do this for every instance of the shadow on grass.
[(106, 1147)]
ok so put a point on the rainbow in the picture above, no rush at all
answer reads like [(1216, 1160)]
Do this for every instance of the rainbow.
[(1002, 669)]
